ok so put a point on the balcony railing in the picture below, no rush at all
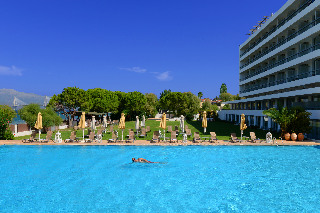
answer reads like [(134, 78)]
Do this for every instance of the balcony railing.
[(282, 81), (280, 43), (306, 4), (307, 105), (282, 61)]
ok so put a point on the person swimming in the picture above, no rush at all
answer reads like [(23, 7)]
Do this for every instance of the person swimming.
[(141, 160)]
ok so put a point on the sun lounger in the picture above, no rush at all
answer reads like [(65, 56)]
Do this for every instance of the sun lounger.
[(173, 138), (186, 127), (213, 137), (196, 138), (91, 138), (148, 129), (131, 137), (114, 138), (253, 138), (155, 137), (143, 133), (169, 129), (188, 132), (72, 138), (234, 138), (48, 137), (176, 128), (99, 136), (31, 139)]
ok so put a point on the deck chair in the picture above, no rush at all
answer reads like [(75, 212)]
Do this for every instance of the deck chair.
[(188, 132), (169, 129), (99, 135), (196, 138), (131, 137), (234, 138), (176, 128), (186, 127), (91, 138), (253, 138), (72, 138), (148, 129), (213, 137), (155, 137), (143, 133), (48, 137), (173, 138), (31, 139), (114, 138), (111, 128)]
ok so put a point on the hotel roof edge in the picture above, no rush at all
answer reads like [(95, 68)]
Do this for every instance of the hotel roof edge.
[(275, 15)]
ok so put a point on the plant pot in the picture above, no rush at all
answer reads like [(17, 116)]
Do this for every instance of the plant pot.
[(300, 137), (287, 136), (294, 136)]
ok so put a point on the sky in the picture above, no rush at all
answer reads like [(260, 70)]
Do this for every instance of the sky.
[(125, 45)]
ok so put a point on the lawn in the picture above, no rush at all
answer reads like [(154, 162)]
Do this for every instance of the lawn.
[(222, 129)]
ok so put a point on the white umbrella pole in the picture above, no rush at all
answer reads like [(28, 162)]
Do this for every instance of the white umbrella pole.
[(205, 130), (241, 134), (39, 134), (83, 134), (122, 134)]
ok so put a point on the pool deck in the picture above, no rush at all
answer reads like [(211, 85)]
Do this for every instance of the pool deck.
[(180, 143)]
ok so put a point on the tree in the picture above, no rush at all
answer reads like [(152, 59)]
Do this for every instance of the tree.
[(69, 102), (29, 114), (135, 104), (223, 88), (282, 116), (164, 93), (226, 97), (151, 105), (200, 95), (207, 106), (301, 120), (227, 106), (6, 116), (101, 100)]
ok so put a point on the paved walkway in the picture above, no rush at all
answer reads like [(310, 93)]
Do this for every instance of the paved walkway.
[(180, 143)]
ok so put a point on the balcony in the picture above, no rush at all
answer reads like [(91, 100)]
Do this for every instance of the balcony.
[(277, 27), (282, 81), (282, 61), (280, 43), (307, 105)]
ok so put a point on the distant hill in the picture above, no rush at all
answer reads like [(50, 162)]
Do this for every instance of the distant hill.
[(7, 97)]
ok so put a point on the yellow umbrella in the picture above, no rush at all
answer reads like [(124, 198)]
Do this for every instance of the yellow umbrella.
[(38, 124), (122, 123), (204, 121), (243, 125), (163, 124), (82, 123)]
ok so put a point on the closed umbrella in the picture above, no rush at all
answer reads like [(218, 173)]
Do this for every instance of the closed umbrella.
[(204, 121), (38, 124), (137, 124), (93, 123), (243, 125), (82, 123), (163, 125), (143, 121), (122, 123), (105, 124), (182, 123)]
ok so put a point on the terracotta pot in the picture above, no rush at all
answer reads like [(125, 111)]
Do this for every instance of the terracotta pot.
[(287, 136), (300, 137), (294, 136)]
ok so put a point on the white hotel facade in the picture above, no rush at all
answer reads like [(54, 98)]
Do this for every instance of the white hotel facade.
[(280, 65)]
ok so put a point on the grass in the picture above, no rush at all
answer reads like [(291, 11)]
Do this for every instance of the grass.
[(222, 129)]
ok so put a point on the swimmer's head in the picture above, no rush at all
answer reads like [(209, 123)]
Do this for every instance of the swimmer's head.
[(133, 159)]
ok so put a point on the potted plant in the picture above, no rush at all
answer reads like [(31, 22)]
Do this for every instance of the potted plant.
[(287, 136), (293, 136), (300, 137)]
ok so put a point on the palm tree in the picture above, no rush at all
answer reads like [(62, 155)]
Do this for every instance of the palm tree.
[(200, 95)]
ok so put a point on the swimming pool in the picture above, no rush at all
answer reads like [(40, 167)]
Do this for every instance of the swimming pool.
[(192, 179)]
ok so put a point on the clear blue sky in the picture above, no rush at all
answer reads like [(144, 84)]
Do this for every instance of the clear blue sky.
[(126, 45)]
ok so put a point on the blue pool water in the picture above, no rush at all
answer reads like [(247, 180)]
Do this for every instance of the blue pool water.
[(192, 179)]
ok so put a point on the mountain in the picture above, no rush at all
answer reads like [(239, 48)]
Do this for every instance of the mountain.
[(7, 96)]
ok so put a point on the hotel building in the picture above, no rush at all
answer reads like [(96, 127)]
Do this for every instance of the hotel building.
[(280, 65)]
